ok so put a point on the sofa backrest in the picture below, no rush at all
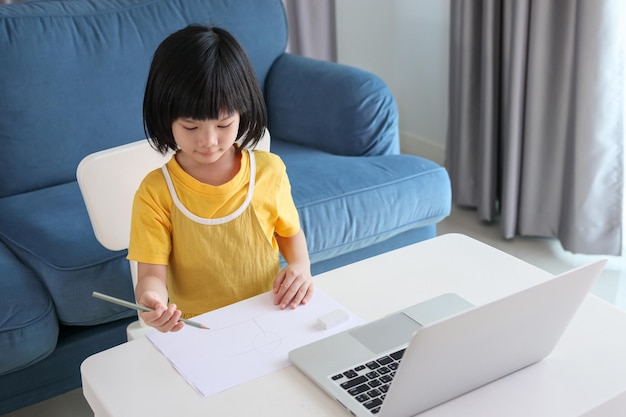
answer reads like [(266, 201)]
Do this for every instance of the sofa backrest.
[(72, 74)]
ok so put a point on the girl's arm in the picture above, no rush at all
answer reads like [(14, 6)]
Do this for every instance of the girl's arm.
[(293, 285), (151, 291)]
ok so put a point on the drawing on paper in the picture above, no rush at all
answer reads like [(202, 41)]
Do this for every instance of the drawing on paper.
[(265, 341), (252, 336)]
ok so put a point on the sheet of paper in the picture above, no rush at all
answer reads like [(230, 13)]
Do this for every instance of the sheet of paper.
[(246, 340)]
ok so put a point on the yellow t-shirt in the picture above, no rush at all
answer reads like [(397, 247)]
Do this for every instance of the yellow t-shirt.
[(150, 240)]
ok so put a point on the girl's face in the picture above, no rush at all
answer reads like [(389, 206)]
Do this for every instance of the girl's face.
[(206, 141)]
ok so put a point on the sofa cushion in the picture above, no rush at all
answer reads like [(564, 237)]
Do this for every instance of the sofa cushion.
[(341, 212), (28, 324), (358, 118), (87, 63), (49, 230)]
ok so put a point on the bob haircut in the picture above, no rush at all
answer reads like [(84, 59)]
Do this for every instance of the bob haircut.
[(200, 73)]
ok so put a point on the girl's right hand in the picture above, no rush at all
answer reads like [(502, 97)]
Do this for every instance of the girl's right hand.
[(163, 318)]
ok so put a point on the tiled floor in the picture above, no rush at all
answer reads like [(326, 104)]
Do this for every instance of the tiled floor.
[(544, 253)]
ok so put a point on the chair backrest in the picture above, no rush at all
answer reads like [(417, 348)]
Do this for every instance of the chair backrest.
[(108, 180)]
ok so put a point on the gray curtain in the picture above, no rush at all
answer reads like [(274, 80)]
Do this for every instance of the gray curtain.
[(312, 31), (536, 118)]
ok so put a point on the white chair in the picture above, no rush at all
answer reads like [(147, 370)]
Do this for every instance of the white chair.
[(108, 180)]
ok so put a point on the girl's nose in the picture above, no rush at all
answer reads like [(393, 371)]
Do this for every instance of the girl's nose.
[(208, 138)]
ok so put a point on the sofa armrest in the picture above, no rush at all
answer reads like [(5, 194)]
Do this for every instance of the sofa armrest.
[(331, 107)]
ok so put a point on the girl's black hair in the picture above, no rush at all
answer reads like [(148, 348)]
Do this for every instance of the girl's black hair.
[(201, 72)]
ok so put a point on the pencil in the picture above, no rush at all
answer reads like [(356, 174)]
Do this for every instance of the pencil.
[(139, 307)]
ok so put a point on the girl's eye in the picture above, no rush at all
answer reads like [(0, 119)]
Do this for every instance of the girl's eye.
[(190, 127), (224, 126)]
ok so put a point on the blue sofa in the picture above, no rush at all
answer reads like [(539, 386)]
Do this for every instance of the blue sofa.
[(72, 75)]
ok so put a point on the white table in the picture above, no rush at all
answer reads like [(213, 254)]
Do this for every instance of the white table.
[(584, 376)]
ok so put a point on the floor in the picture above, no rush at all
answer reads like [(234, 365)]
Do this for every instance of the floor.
[(544, 253)]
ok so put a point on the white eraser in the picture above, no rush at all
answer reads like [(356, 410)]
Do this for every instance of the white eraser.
[(332, 319)]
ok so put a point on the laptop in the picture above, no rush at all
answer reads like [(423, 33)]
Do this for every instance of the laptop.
[(432, 352)]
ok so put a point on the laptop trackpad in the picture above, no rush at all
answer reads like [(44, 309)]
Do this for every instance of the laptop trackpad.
[(386, 333)]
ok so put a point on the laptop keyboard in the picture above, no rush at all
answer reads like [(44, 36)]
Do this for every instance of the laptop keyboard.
[(368, 383)]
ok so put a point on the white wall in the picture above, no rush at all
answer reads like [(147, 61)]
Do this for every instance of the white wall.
[(405, 42)]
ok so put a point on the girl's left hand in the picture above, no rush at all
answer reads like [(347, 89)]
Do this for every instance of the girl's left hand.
[(293, 286)]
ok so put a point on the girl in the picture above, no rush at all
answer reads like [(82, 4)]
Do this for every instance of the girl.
[(207, 227)]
